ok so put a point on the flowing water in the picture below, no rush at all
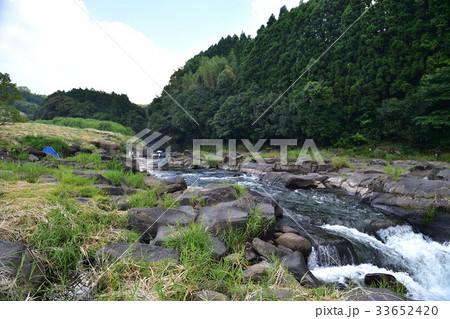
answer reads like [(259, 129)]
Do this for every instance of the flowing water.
[(418, 262)]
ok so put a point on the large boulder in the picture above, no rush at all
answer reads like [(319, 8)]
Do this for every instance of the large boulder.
[(292, 181), (257, 271), (19, 266), (115, 190), (373, 294), (332, 250), (296, 264), (108, 146), (385, 279), (148, 220), (295, 242), (138, 252), (170, 185)]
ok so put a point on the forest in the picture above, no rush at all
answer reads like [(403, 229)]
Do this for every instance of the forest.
[(387, 78), (341, 72)]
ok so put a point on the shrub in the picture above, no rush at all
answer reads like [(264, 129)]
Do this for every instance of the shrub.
[(40, 142)]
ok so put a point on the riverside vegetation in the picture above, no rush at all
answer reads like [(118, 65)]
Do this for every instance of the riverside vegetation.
[(55, 209)]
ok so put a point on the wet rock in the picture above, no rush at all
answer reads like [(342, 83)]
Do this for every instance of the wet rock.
[(19, 266), (295, 242), (332, 250), (254, 168), (296, 264), (266, 249), (138, 252), (209, 295), (148, 220), (443, 175), (47, 179), (373, 294), (286, 229)]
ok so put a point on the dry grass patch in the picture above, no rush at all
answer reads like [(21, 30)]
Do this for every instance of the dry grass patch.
[(11, 133), (22, 207)]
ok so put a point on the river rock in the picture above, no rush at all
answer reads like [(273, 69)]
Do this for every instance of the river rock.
[(373, 294), (258, 271), (250, 255), (296, 264), (286, 229), (266, 249), (19, 266), (163, 234), (295, 242), (443, 175), (138, 252), (148, 220), (209, 295), (292, 181), (332, 250), (219, 247), (226, 215)]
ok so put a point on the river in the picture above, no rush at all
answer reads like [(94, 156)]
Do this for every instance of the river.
[(418, 262)]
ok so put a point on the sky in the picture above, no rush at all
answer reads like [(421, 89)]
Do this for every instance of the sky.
[(125, 46)]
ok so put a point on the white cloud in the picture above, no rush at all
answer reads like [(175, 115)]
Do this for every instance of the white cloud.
[(51, 45)]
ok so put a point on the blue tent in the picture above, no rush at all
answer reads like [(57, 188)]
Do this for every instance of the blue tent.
[(51, 151)]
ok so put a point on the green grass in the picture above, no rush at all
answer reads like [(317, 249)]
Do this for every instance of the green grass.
[(396, 172), (29, 172), (394, 286), (89, 123), (115, 176), (338, 163), (241, 190), (135, 180), (41, 142)]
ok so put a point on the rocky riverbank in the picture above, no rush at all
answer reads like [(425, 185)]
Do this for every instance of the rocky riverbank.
[(417, 192)]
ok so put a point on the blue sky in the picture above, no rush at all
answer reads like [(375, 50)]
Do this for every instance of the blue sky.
[(129, 47)]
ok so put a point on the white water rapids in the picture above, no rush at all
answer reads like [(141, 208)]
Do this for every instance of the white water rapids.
[(425, 263)]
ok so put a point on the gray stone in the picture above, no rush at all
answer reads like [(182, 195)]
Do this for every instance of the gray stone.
[(266, 249), (390, 280), (219, 247), (224, 216), (163, 234), (33, 158), (209, 295), (296, 264), (95, 177), (250, 255), (373, 294), (148, 220), (115, 190), (444, 175), (19, 266), (257, 272), (138, 252), (295, 242)]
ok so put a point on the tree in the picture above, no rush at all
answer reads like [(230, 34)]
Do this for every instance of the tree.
[(9, 94)]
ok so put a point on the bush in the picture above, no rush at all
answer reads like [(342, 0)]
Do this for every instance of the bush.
[(40, 142)]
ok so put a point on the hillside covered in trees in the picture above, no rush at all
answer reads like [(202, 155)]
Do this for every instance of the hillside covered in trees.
[(85, 103), (387, 78)]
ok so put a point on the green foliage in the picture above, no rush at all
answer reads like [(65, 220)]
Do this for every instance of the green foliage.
[(338, 163), (241, 190), (135, 180), (41, 142), (115, 176), (395, 287), (388, 81), (88, 123), (396, 172), (84, 103)]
